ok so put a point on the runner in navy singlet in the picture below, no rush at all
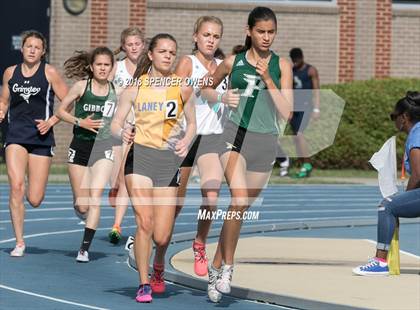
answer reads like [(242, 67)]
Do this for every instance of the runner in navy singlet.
[(28, 94), (306, 98)]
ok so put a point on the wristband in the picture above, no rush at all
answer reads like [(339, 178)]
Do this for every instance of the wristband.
[(219, 97), (120, 133), (316, 110), (77, 122)]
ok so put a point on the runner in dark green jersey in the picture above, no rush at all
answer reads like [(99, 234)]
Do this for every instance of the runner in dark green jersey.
[(90, 155), (260, 90), (97, 108), (254, 115)]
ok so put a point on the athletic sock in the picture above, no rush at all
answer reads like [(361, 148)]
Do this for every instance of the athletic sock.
[(87, 239), (198, 244), (158, 267)]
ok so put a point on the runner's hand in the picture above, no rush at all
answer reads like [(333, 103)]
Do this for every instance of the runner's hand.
[(90, 124), (128, 134), (181, 147), (43, 126), (262, 70), (231, 98)]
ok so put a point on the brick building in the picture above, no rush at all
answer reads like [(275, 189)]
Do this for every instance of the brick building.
[(345, 39)]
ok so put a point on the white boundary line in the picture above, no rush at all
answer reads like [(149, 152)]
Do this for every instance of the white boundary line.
[(79, 304), (44, 296), (402, 251), (205, 292), (50, 298)]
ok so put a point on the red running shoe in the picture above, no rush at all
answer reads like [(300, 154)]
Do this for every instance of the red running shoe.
[(200, 259), (157, 282)]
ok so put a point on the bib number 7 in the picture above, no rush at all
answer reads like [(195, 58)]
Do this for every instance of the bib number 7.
[(109, 108)]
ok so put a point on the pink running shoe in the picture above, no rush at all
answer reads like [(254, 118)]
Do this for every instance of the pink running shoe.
[(200, 258), (157, 282), (144, 293)]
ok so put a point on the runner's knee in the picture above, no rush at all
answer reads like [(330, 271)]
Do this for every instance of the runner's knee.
[(210, 202), (35, 200), (81, 208), (239, 203), (146, 223), (17, 189), (162, 239)]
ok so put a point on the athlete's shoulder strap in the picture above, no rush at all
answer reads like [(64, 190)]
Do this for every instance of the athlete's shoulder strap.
[(112, 86), (192, 57), (275, 62), (238, 58), (87, 87), (16, 72), (41, 72), (42, 66)]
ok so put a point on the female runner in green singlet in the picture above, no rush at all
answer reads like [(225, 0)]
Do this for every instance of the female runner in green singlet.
[(260, 88)]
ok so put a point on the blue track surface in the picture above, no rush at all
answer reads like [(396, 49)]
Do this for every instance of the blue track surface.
[(48, 277)]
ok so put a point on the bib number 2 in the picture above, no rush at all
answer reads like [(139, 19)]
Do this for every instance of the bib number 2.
[(171, 109)]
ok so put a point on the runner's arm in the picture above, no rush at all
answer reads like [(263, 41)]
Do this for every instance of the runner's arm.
[(5, 92), (283, 97)]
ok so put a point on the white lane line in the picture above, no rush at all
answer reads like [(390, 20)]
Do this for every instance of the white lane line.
[(196, 206), (46, 219), (402, 251), (296, 211), (47, 196), (266, 194), (42, 210), (51, 298), (227, 199), (189, 223), (194, 214), (69, 202), (300, 219), (310, 199), (350, 195), (61, 232)]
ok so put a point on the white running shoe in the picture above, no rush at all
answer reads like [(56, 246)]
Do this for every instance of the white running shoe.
[(79, 214), (214, 275), (223, 283), (284, 167), (283, 172), (18, 251), (82, 256)]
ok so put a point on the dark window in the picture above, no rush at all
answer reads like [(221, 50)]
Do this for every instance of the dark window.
[(406, 1)]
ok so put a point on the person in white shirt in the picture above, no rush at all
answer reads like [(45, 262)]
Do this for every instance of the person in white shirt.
[(132, 44)]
